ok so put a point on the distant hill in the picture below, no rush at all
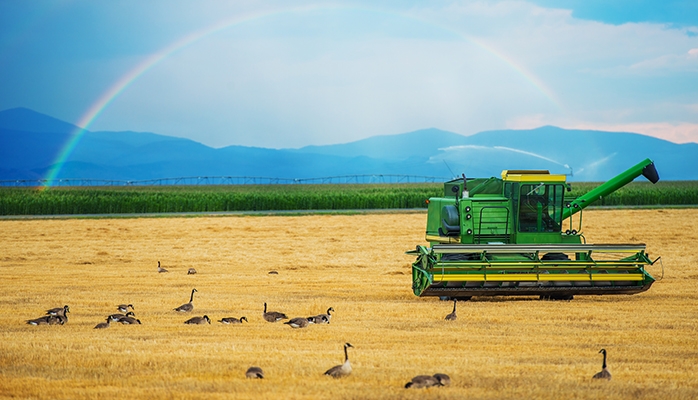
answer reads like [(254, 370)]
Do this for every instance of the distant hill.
[(31, 143)]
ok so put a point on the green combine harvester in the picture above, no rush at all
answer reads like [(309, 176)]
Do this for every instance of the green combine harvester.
[(515, 235)]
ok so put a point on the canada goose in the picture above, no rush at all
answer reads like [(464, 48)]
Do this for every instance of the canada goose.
[(187, 307), (273, 316), (117, 317), (129, 321), (422, 381), (444, 379), (273, 273), (124, 307), (40, 321), (318, 319), (198, 320), (231, 320), (603, 374), (322, 318), (339, 371), (452, 316), (58, 311), (297, 322), (254, 373), (161, 269), (103, 325), (191, 271)]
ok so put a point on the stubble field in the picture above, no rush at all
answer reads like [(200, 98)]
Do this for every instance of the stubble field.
[(498, 348)]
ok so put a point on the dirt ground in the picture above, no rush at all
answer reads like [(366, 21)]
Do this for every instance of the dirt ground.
[(498, 348)]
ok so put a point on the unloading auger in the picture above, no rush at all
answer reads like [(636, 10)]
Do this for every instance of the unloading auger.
[(504, 237)]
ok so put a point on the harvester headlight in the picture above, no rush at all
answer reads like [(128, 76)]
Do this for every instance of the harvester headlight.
[(468, 216), (467, 208), (469, 231)]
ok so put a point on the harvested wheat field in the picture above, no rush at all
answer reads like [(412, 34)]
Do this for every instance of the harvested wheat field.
[(498, 348)]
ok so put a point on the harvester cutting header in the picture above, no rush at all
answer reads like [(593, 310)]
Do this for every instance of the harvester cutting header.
[(515, 235)]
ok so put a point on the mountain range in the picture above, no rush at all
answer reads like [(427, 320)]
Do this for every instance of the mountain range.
[(31, 143)]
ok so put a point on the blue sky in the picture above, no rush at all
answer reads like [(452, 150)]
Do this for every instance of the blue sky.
[(294, 73)]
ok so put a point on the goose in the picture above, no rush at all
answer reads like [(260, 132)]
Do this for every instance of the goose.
[(452, 316), (124, 307), (117, 317), (103, 325), (318, 319), (191, 271), (58, 311), (231, 320), (254, 373), (444, 379), (603, 374), (198, 320), (161, 269), (273, 316), (129, 321), (323, 318), (40, 321), (297, 322), (187, 307), (339, 371), (58, 319), (422, 381)]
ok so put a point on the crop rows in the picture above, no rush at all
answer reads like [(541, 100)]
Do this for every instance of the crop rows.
[(174, 199)]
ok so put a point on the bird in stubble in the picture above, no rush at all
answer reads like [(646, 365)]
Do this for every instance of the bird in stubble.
[(198, 320), (452, 316), (322, 318), (603, 374), (117, 317), (187, 307), (47, 320), (191, 271), (124, 307), (273, 316), (425, 381), (161, 269), (232, 320), (59, 311), (254, 373), (297, 322), (339, 371), (103, 325)]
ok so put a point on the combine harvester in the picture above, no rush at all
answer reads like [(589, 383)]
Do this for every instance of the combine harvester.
[(505, 237)]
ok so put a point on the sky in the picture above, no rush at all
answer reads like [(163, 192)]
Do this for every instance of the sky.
[(287, 74)]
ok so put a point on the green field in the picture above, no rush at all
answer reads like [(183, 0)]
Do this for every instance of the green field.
[(222, 198)]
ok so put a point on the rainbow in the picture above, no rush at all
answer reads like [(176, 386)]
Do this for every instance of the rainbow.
[(131, 76)]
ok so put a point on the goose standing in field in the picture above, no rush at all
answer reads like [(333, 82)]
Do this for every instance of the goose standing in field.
[(603, 374), (254, 373), (191, 271), (161, 269), (231, 320), (297, 322), (62, 311), (339, 371), (103, 325), (187, 307), (198, 320), (452, 316), (273, 316), (124, 307)]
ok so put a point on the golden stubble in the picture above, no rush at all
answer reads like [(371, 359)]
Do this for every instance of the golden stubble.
[(498, 348)]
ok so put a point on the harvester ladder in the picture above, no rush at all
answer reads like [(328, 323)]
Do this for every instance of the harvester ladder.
[(494, 223)]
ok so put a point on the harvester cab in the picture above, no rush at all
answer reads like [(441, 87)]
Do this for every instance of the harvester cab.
[(504, 236)]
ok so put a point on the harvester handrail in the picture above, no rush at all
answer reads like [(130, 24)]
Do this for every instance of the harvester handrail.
[(535, 248)]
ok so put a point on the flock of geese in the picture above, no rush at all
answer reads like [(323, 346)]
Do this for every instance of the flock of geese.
[(126, 316)]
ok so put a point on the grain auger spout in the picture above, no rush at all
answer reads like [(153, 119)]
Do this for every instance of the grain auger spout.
[(503, 236)]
